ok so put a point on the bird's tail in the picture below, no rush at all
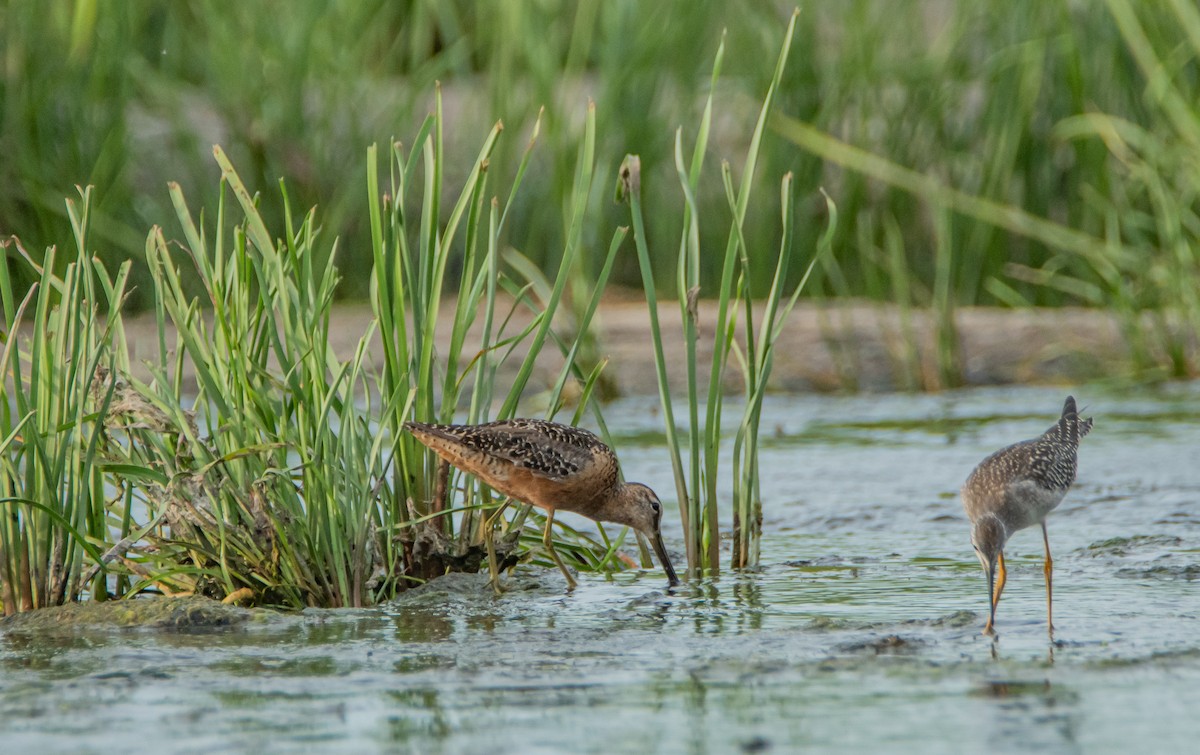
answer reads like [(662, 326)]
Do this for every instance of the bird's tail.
[(1070, 427), (426, 432)]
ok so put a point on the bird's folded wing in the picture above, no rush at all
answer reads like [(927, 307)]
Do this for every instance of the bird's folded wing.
[(532, 449)]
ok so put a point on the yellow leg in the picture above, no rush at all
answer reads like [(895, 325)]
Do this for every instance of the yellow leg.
[(489, 529), (549, 544), (1048, 567), (1001, 578)]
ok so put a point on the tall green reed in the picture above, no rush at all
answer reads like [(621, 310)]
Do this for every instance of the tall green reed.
[(754, 354), (53, 501)]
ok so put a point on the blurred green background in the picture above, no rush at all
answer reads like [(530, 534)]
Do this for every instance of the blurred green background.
[(1080, 113)]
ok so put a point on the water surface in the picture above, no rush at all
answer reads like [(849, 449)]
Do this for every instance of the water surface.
[(860, 631)]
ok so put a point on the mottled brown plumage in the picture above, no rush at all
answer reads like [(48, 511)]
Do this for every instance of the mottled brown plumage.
[(1016, 487), (552, 466)]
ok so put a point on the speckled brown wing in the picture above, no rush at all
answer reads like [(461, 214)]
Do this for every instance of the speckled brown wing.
[(1024, 481), (568, 456), (547, 449), (1001, 468)]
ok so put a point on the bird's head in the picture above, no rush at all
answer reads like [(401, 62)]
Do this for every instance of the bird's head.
[(988, 536), (643, 511)]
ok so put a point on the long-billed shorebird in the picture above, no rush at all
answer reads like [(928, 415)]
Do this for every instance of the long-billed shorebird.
[(552, 466), (1015, 488)]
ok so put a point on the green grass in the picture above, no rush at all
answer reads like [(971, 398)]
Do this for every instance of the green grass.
[(1127, 243), (1053, 127)]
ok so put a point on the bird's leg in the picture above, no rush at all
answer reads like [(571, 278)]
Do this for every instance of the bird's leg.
[(1001, 578), (489, 529), (549, 544), (440, 485), (1048, 567)]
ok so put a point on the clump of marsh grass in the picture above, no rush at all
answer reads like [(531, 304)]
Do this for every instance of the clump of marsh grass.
[(290, 481), (697, 482), (270, 485)]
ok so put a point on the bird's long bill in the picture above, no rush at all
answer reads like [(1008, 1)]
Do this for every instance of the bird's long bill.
[(661, 549)]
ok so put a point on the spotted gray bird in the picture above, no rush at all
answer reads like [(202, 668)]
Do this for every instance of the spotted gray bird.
[(1015, 488), (552, 466)]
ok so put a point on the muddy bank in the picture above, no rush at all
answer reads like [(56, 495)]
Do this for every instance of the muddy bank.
[(185, 613), (842, 347)]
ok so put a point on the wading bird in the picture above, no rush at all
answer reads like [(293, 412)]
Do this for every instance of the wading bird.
[(1015, 488), (552, 466)]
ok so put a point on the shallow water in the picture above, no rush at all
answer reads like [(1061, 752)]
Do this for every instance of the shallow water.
[(860, 630)]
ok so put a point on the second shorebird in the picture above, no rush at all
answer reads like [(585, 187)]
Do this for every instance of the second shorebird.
[(552, 466), (1016, 487)]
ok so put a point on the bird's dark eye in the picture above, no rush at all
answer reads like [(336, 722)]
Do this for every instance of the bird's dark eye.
[(656, 506)]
